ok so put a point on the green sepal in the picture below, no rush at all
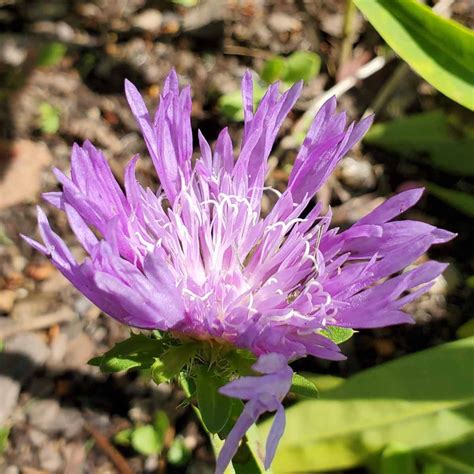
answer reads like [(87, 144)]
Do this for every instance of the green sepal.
[(303, 387), (337, 334), (215, 408), (138, 351), (172, 362)]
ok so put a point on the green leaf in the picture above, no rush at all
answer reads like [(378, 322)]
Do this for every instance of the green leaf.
[(231, 104), (438, 49), (458, 459), (273, 69), (138, 351), (301, 66), (178, 454), (246, 460), (161, 423), (448, 147), (302, 386), (146, 440), (466, 329), (214, 408), (325, 382), (186, 3), (172, 362), (241, 361), (432, 468), (49, 118), (461, 201), (4, 433), (51, 54), (423, 400), (124, 437), (337, 334), (396, 459)]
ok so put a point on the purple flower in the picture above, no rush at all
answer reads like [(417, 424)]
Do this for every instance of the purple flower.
[(198, 258), (264, 394)]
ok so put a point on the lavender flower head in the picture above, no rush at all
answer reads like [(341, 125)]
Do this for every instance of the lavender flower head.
[(197, 258)]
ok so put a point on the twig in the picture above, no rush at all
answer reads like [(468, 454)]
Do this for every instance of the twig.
[(243, 51), (104, 444), (347, 33), (34, 324), (337, 90), (388, 89)]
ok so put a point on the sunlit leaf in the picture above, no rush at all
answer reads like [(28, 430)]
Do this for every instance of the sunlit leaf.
[(424, 400), (337, 334), (273, 69), (146, 440), (439, 49), (138, 351), (301, 66), (303, 387), (49, 118), (428, 137)]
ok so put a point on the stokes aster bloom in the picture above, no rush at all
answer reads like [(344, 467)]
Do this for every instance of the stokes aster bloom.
[(198, 259)]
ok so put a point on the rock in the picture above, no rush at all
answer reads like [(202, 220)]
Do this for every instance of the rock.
[(357, 174), (7, 299), (55, 283), (79, 351), (75, 455), (25, 346), (22, 355), (50, 459), (12, 470), (148, 20), (32, 306), (282, 23), (58, 349), (49, 417), (37, 437), (40, 271), (22, 162)]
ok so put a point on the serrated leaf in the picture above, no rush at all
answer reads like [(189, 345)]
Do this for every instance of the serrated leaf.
[(337, 334), (146, 440), (214, 408), (302, 386), (138, 351), (439, 49), (172, 362)]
